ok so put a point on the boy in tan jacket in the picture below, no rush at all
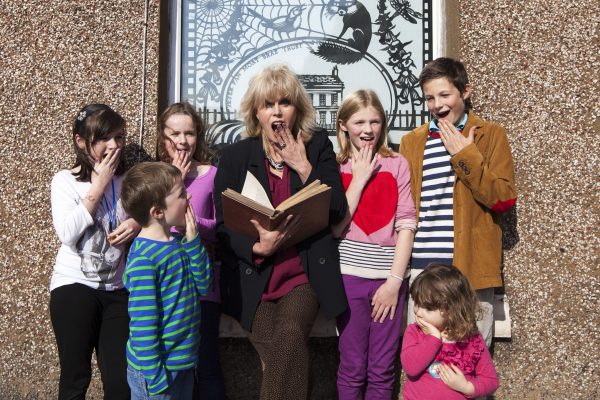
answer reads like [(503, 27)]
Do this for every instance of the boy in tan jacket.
[(462, 179)]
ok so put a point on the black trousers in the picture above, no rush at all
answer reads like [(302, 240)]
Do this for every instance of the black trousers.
[(209, 383), (280, 336), (85, 319)]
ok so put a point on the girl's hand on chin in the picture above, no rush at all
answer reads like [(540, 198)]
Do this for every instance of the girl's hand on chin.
[(428, 328), (105, 169), (183, 162), (363, 164)]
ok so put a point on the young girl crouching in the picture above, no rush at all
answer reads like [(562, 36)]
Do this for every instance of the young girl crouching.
[(443, 354)]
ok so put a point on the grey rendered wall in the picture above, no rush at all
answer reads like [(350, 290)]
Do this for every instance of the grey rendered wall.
[(534, 67)]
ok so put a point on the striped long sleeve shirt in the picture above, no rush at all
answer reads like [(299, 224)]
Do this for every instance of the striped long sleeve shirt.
[(434, 241), (165, 280)]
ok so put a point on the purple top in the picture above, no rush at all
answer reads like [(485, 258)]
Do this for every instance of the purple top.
[(421, 354), (201, 189)]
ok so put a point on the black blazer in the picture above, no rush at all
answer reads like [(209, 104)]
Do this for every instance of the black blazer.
[(243, 282)]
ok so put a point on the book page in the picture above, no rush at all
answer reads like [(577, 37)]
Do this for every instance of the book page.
[(254, 190), (309, 191)]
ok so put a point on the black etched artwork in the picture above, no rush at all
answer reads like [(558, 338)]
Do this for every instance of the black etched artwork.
[(357, 24), (335, 46)]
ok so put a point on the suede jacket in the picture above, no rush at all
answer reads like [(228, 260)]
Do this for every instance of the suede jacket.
[(483, 189)]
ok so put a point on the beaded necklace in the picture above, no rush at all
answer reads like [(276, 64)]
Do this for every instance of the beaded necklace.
[(277, 165)]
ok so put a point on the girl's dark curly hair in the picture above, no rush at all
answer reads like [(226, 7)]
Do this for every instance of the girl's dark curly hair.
[(443, 287)]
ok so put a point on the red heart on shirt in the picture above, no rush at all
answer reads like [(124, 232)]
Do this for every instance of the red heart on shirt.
[(378, 202)]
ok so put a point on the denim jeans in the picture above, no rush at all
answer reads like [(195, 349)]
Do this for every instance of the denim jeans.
[(181, 386)]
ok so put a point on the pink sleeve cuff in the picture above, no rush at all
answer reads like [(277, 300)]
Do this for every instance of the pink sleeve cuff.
[(406, 224)]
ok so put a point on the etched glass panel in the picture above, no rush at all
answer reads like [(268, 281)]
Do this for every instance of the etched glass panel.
[(335, 46)]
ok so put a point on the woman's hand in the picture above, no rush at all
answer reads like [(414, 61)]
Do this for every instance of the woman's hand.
[(183, 162), (428, 328), (363, 164), (270, 241), (385, 300), (292, 151), (453, 140), (455, 379), (124, 233), (191, 226)]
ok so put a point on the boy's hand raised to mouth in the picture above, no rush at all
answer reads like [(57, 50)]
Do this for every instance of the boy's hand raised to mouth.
[(453, 140)]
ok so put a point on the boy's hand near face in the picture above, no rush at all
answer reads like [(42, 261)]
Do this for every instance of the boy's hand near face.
[(191, 228), (453, 140)]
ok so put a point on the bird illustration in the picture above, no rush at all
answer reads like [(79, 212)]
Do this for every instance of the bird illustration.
[(356, 18), (403, 9), (284, 23)]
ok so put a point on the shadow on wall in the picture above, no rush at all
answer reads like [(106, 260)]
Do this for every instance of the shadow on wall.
[(510, 238), (510, 234)]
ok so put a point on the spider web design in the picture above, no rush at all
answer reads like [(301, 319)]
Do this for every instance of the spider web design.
[(222, 33)]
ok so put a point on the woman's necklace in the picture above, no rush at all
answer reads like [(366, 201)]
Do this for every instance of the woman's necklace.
[(277, 165)]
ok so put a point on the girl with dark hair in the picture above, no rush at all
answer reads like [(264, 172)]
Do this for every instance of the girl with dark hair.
[(88, 304)]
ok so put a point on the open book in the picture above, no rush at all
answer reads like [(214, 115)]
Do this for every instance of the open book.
[(311, 204)]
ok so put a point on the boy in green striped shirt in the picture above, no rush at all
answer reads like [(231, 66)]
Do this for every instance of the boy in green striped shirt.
[(165, 274)]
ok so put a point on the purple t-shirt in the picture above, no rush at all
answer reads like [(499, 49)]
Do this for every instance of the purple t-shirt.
[(201, 188)]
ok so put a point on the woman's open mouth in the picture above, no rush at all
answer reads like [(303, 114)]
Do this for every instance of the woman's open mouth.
[(277, 125)]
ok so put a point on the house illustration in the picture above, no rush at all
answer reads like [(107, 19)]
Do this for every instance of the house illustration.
[(326, 92)]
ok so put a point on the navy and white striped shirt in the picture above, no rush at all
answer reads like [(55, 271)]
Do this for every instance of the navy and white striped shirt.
[(434, 240)]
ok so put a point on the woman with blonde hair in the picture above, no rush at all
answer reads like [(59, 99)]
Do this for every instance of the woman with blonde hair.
[(275, 291)]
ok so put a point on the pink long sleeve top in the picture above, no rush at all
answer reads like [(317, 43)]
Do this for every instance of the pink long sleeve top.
[(421, 354), (368, 243)]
